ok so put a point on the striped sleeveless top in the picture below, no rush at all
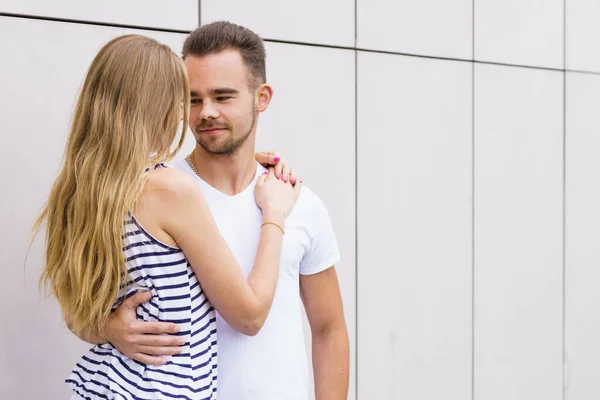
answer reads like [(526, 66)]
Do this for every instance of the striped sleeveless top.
[(105, 373)]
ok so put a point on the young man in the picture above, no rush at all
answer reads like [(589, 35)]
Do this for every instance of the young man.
[(226, 68)]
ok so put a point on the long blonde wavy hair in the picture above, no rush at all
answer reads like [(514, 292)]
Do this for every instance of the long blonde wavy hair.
[(127, 117)]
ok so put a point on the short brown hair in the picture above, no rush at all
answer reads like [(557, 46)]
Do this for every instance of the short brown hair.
[(223, 35)]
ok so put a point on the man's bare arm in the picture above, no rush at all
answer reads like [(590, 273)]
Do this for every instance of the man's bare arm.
[(330, 345)]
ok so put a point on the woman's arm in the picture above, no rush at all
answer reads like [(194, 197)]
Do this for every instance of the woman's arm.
[(244, 304)]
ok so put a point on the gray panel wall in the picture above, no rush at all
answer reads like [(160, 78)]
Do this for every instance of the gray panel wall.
[(455, 147)]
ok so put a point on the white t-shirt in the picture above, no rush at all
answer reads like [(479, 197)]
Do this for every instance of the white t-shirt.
[(273, 364)]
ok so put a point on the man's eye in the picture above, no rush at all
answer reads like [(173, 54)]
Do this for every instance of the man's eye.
[(223, 98)]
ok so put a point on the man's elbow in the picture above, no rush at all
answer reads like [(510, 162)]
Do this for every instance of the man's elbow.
[(335, 328)]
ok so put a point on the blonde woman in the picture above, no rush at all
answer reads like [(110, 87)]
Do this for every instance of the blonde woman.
[(119, 221)]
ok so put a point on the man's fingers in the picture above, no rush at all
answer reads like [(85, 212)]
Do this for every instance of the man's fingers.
[(156, 328), (159, 340), (150, 360), (141, 297), (159, 351)]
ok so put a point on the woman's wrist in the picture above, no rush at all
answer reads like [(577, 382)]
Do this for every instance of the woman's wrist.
[(275, 225), (274, 217)]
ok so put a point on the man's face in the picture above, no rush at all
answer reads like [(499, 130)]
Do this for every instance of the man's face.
[(223, 110)]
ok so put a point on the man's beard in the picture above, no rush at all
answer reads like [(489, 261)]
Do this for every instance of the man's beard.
[(231, 145)]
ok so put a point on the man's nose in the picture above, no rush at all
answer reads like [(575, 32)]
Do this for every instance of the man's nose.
[(208, 110)]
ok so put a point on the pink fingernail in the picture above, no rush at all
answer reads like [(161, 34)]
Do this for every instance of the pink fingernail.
[(285, 178), (277, 176), (293, 180), (264, 173), (276, 159)]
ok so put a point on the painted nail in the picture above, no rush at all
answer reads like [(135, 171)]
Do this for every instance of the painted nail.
[(277, 176), (285, 178), (276, 159), (293, 180), (264, 173)]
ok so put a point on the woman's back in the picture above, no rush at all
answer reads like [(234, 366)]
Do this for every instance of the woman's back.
[(176, 297)]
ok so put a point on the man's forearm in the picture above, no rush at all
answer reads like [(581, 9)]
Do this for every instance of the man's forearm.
[(331, 364)]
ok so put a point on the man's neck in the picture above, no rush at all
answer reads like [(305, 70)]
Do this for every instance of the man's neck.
[(229, 174)]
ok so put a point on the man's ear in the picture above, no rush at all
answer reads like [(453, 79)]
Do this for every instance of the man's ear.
[(264, 94)]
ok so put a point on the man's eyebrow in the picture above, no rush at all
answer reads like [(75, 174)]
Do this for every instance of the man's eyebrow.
[(218, 91)]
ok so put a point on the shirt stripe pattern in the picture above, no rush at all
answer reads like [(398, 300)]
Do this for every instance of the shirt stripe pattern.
[(105, 373)]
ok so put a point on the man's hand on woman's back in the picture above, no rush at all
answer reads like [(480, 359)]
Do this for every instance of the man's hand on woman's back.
[(147, 342)]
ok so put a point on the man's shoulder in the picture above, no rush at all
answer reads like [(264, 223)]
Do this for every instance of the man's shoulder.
[(308, 197), (308, 203)]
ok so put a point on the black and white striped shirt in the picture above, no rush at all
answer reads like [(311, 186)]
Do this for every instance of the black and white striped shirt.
[(105, 373)]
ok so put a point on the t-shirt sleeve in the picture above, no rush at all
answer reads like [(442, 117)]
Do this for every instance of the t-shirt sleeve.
[(324, 251)]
